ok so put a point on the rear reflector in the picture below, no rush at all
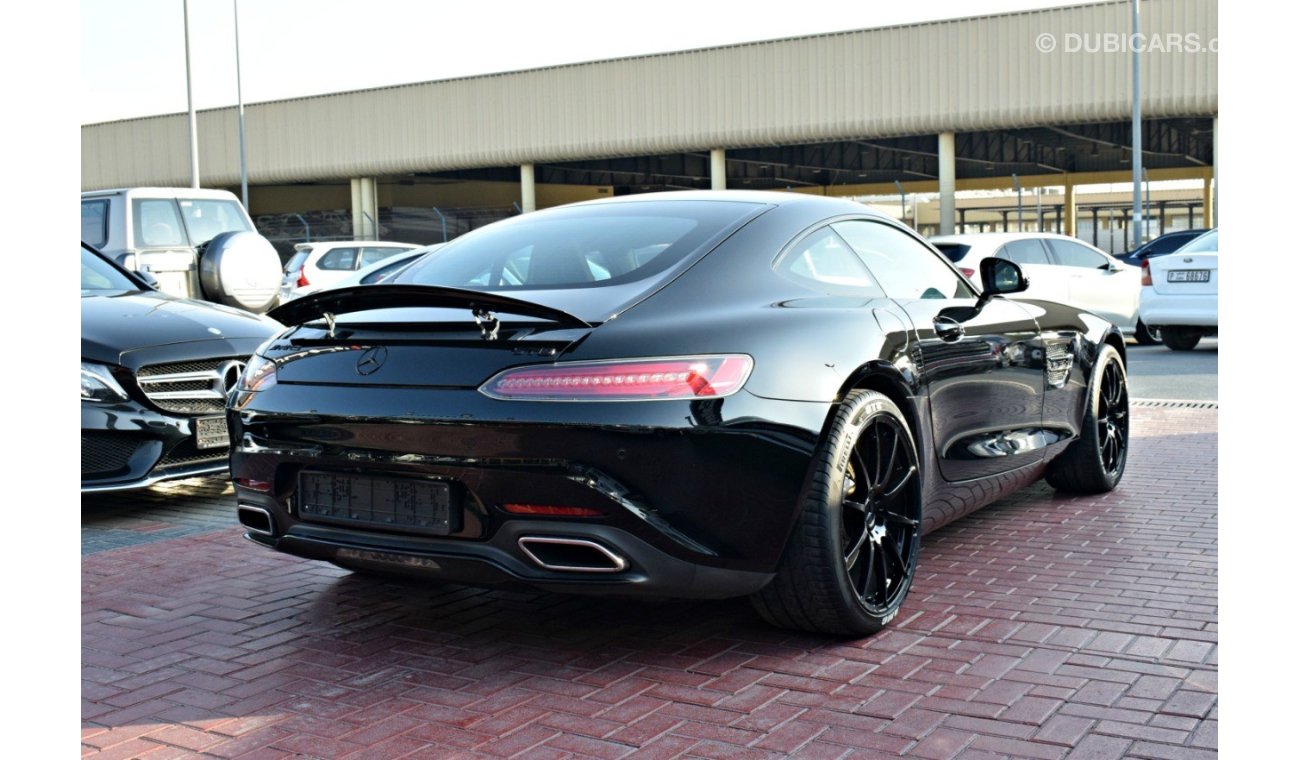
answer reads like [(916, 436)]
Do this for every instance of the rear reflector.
[(254, 485), (550, 510), (624, 379)]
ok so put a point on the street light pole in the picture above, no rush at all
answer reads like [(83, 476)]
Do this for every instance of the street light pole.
[(239, 93), (1137, 127), (189, 95)]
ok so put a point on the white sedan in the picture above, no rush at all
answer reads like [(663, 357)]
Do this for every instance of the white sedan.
[(1061, 269), (1180, 293)]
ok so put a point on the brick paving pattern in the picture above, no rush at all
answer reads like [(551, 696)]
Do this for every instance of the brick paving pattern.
[(1041, 627)]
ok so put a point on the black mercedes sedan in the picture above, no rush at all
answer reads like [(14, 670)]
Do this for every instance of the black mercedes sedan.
[(155, 370), (699, 394)]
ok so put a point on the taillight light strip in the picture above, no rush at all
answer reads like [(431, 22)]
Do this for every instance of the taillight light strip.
[(650, 379)]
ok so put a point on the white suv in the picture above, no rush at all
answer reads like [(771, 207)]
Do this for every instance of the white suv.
[(319, 265)]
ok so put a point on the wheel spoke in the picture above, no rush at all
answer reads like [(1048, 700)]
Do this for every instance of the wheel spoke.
[(898, 558), (868, 575), (900, 519), (882, 576), (893, 453), (856, 506), (875, 481), (891, 493), (852, 556)]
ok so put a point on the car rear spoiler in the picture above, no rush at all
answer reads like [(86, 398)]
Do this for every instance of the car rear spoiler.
[(391, 296)]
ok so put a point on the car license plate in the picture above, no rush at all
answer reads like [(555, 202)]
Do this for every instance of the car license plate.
[(1189, 275), (410, 504), (210, 433)]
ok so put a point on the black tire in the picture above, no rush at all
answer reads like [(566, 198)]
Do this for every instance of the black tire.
[(1145, 335), (1180, 338), (851, 558), (1095, 462)]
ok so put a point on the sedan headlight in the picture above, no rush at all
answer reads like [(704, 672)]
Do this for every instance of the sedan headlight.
[(98, 384)]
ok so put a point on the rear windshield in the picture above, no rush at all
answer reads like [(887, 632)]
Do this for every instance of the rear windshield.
[(1207, 243), (295, 263), (954, 251), (206, 219), (584, 259)]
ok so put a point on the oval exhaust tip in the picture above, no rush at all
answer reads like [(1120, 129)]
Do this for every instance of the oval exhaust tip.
[(571, 555)]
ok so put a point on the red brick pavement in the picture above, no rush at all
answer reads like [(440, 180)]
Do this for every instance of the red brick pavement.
[(1040, 627)]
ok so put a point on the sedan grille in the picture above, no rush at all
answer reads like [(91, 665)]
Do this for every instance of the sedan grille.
[(104, 454), (191, 387)]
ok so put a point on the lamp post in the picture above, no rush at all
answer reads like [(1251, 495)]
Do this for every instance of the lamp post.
[(239, 93), (189, 95), (1137, 127)]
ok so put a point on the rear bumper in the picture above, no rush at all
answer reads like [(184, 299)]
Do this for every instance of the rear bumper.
[(1159, 310), (699, 504)]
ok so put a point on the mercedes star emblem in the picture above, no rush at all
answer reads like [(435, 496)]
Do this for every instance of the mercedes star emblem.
[(230, 372), (371, 360)]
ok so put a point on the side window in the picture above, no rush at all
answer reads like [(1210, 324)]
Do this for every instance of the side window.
[(339, 259), (1024, 252), (905, 267), (371, 255), (1076, 255), (156, 223), (94, 222), (823, 261)]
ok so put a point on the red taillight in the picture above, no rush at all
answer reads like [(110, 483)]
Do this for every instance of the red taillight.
[(1146, 272), (624, 380), (302, 278), (970, 273), (255, 485), (550, 510)]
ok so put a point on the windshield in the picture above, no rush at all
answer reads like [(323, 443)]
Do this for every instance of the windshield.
[(97, 274), (583, 259), (1207, 243), (205, 220)]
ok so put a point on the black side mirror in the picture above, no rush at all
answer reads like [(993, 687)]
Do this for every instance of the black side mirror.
[(1001, 277)]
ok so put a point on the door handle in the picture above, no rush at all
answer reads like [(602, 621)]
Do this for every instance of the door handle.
[(948, 329)]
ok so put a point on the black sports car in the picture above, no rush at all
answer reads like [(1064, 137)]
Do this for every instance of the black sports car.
[(702, 394), (155, 370)]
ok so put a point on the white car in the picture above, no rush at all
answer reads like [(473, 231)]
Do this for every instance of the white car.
[(386, 269), (1061, 269), (319, 265), (1180, 293)]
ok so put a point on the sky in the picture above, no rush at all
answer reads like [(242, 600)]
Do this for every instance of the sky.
[(133, 52)]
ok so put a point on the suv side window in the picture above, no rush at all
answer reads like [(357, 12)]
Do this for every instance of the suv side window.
[(371, 255), (824, 261), (905, 267), (339, 259), (1076, 255), (156, 223), (1024, 252), (94, 222)]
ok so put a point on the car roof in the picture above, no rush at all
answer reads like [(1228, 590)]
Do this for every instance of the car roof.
[(163, 192), (831, 204), (993, 238)]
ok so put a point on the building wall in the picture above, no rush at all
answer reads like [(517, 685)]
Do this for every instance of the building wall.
[(959, 75)]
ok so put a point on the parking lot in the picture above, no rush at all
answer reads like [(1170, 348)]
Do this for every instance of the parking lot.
[(1043, 626)]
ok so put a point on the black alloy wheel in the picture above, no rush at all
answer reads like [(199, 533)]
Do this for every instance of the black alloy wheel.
[(853, 553), (1095, 462)]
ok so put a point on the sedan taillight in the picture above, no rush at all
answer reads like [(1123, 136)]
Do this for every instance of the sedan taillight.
[(624, 379), (1146, 272)]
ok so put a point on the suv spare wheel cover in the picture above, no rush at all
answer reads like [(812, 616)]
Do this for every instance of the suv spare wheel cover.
[(240, 269)]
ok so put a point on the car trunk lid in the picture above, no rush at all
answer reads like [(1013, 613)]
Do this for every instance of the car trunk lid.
[(1185, 274)]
